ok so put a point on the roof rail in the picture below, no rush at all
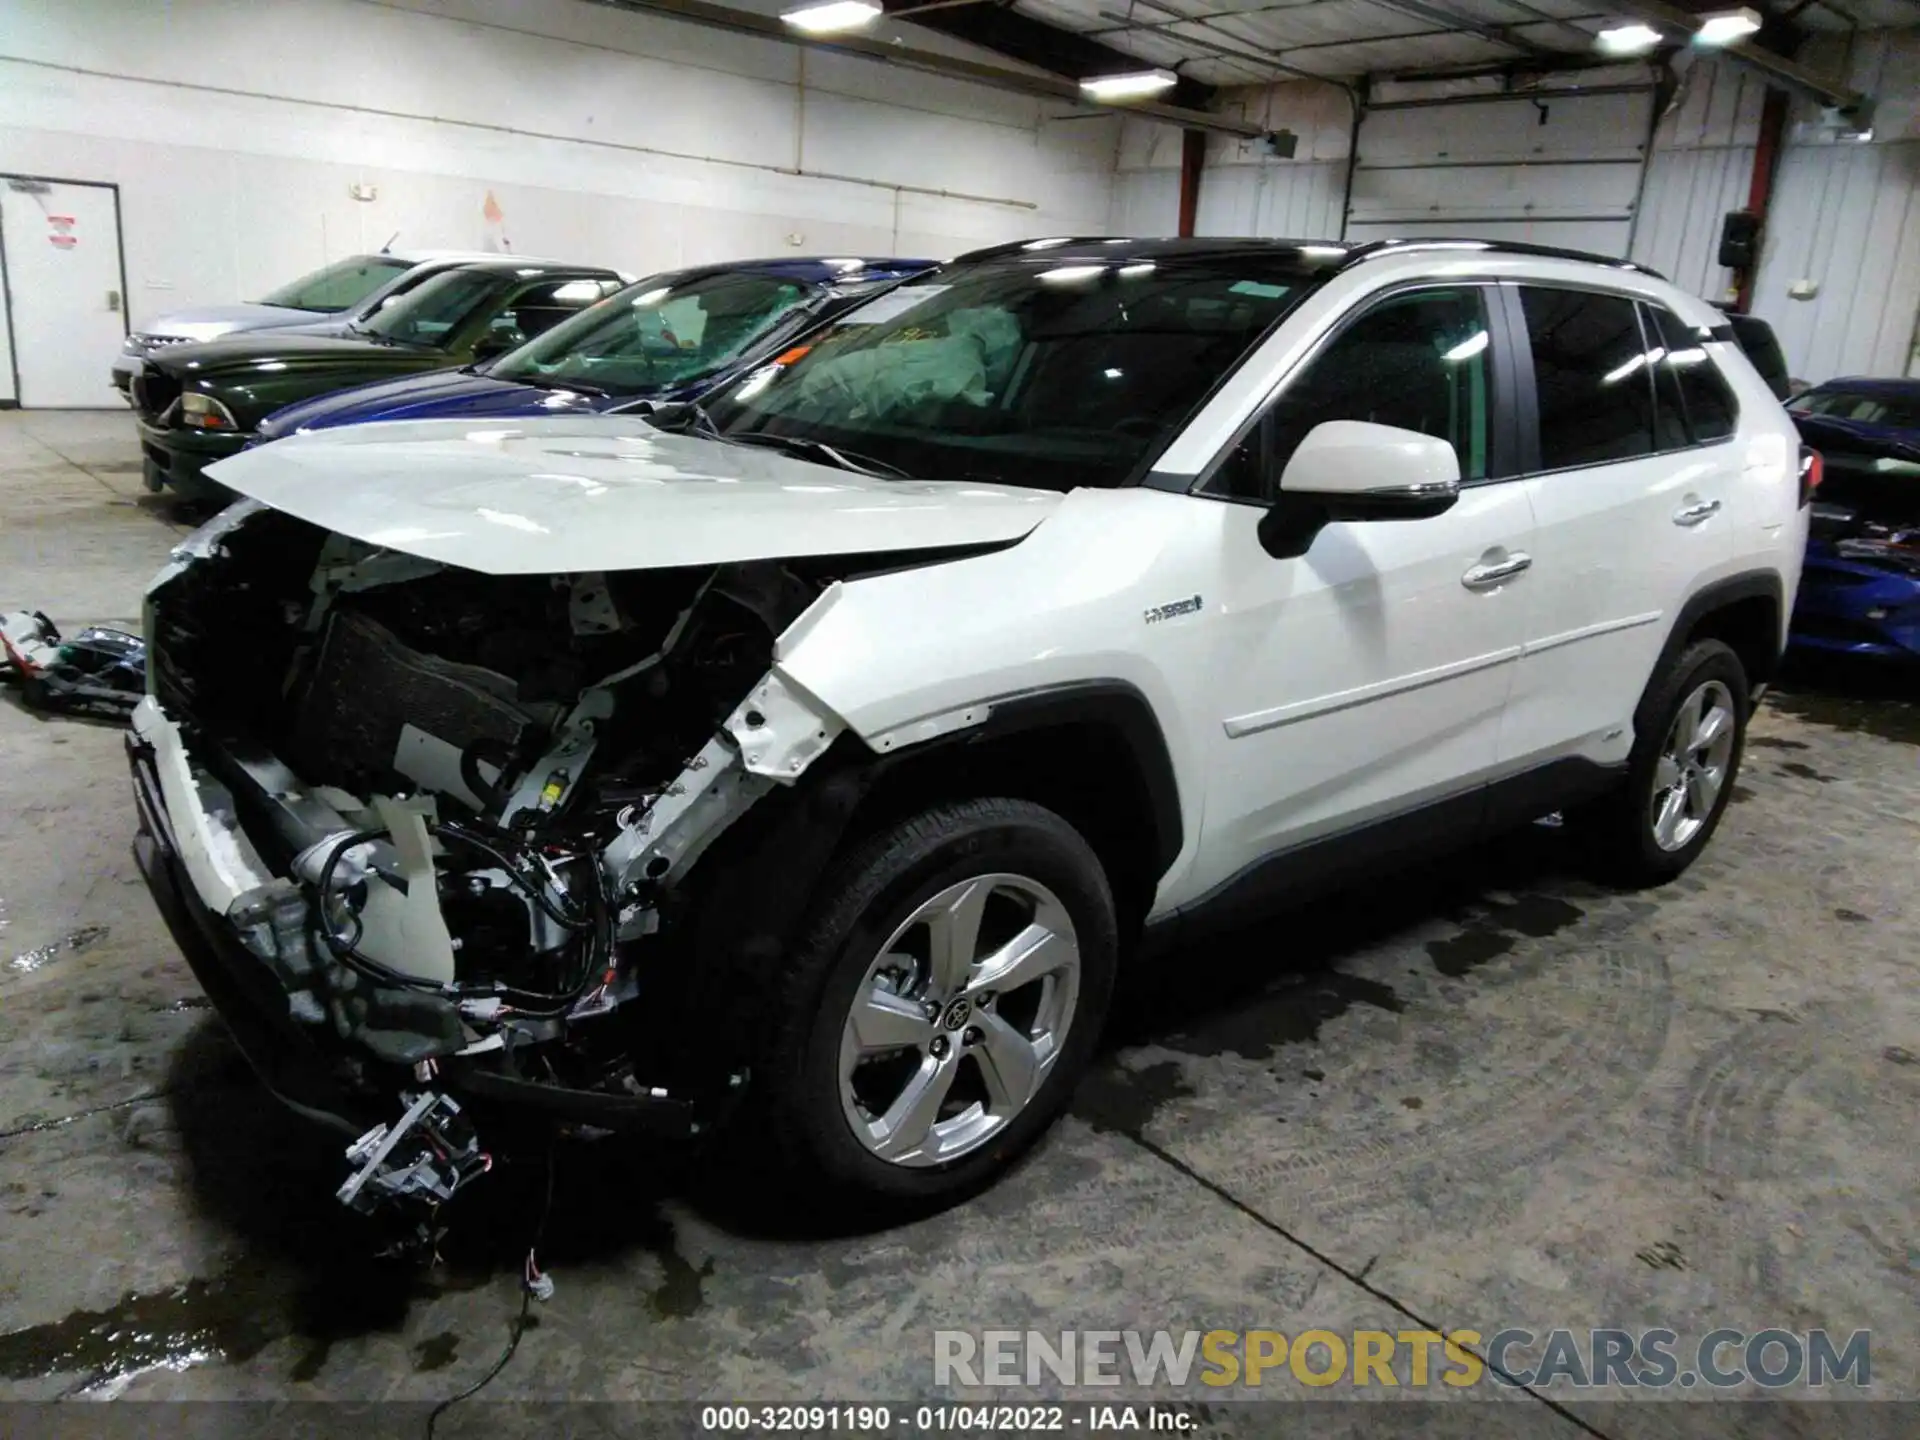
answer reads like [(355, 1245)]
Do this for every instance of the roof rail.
[(1373, 249), (1014, 247)]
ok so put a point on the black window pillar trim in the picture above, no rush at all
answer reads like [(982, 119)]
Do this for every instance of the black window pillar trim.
[(1526, 386), (1649, 342)]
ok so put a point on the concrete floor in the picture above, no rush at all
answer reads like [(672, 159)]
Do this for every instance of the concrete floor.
[(1490, 1094)]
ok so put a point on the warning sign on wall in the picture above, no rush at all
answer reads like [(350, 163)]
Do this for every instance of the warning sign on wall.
[(60, 228)]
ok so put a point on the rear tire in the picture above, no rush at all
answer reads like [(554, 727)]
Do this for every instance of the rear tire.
[(903, 982), (1691, 729)]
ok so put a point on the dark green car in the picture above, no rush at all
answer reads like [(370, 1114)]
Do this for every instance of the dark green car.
[(196, 404)]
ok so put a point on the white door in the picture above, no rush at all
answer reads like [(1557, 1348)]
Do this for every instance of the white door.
[(62, 254), (1367, 676), (1630, 512)]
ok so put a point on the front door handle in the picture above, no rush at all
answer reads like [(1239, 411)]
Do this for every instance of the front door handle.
[(1492, 572), (1696, 512)]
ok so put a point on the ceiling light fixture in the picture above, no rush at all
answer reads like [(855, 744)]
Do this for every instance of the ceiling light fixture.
[(1628, 39), (1723, 27), (832, 17), (1130, 86)]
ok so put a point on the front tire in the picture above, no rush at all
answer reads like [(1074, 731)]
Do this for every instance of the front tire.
[(1691, 732), (943, 1000)]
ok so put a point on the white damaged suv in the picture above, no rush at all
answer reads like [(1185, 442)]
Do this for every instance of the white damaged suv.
[(810, 763)]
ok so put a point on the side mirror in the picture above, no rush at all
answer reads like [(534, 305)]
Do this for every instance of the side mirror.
[(1365, 471), (1356, 470)]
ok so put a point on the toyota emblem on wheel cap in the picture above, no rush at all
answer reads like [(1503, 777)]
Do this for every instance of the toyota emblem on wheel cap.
[(958, 1013)]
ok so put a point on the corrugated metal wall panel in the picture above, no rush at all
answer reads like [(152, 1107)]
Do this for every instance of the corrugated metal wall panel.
[(1294, 201), (1849, 220), (1844, 214), (1146, 202), (1677, 229)]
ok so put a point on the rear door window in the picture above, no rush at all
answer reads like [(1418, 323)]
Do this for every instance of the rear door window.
[(1688, 381), (1591, 376)]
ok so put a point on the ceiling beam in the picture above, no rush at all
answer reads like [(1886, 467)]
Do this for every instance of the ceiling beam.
[(955, 67), (1241, 49), (1453, 20), (1675, 21)]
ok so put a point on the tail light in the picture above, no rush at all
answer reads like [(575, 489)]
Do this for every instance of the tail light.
[(1811, 470)]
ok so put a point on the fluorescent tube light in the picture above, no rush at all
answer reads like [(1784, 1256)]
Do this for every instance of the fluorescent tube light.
[(1130, 86), (834, 16), (1723, 27), (1628, 39)]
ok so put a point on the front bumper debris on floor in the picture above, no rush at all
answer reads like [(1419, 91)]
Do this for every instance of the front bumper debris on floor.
[(97, 671)]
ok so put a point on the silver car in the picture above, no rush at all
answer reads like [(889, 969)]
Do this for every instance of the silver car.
[(324, 302)]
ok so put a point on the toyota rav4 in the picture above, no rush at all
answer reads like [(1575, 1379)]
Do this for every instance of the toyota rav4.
[(811, 763)]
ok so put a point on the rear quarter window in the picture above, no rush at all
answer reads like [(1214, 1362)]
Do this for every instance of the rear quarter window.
[(1688, 381)]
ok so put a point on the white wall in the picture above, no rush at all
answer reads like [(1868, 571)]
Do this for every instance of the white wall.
[(1243, 192), (8, 391), (236, 127), (1844, 214)]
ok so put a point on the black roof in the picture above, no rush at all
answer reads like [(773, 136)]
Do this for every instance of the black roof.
[(1122, 248), (514, 264), (1332, 255)]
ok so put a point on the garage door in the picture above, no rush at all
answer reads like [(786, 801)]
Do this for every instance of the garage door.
[(1552, 169)]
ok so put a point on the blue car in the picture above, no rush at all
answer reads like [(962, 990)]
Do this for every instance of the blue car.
[(1860, 590), (670, 337)]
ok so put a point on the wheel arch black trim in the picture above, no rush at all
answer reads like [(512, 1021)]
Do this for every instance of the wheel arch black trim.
[(1118, 706), (1720, 595)]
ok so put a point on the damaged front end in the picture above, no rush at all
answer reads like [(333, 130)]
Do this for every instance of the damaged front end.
[(424, 832)]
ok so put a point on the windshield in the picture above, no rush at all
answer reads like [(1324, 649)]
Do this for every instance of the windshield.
[(652, 335), (1050, 374), (432, 313), (1902, 412), (339, 286)]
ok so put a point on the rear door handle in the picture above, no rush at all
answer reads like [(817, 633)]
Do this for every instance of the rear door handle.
[(1698, 511), (1479, 577)]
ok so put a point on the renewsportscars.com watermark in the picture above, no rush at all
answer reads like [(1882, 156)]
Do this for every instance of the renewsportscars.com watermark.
[(1579, 1359)]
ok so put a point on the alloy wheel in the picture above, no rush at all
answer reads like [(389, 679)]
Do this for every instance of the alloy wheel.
[(958, 1020), (1693, 766)]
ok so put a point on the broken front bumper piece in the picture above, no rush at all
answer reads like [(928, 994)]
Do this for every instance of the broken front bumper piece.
[(425, 1157), (249, 936)]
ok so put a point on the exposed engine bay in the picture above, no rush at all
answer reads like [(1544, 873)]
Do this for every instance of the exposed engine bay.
[(449, 809)]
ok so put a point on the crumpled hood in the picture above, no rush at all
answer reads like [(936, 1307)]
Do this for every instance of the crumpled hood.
[(576, 494), (209, 322)]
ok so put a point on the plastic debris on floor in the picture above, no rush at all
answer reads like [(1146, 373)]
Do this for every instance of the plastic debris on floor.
[(97, 671)]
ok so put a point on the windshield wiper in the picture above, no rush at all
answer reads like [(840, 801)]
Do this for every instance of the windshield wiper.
[(690, 417), (551, 382), (803, 449), (679, 417)]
